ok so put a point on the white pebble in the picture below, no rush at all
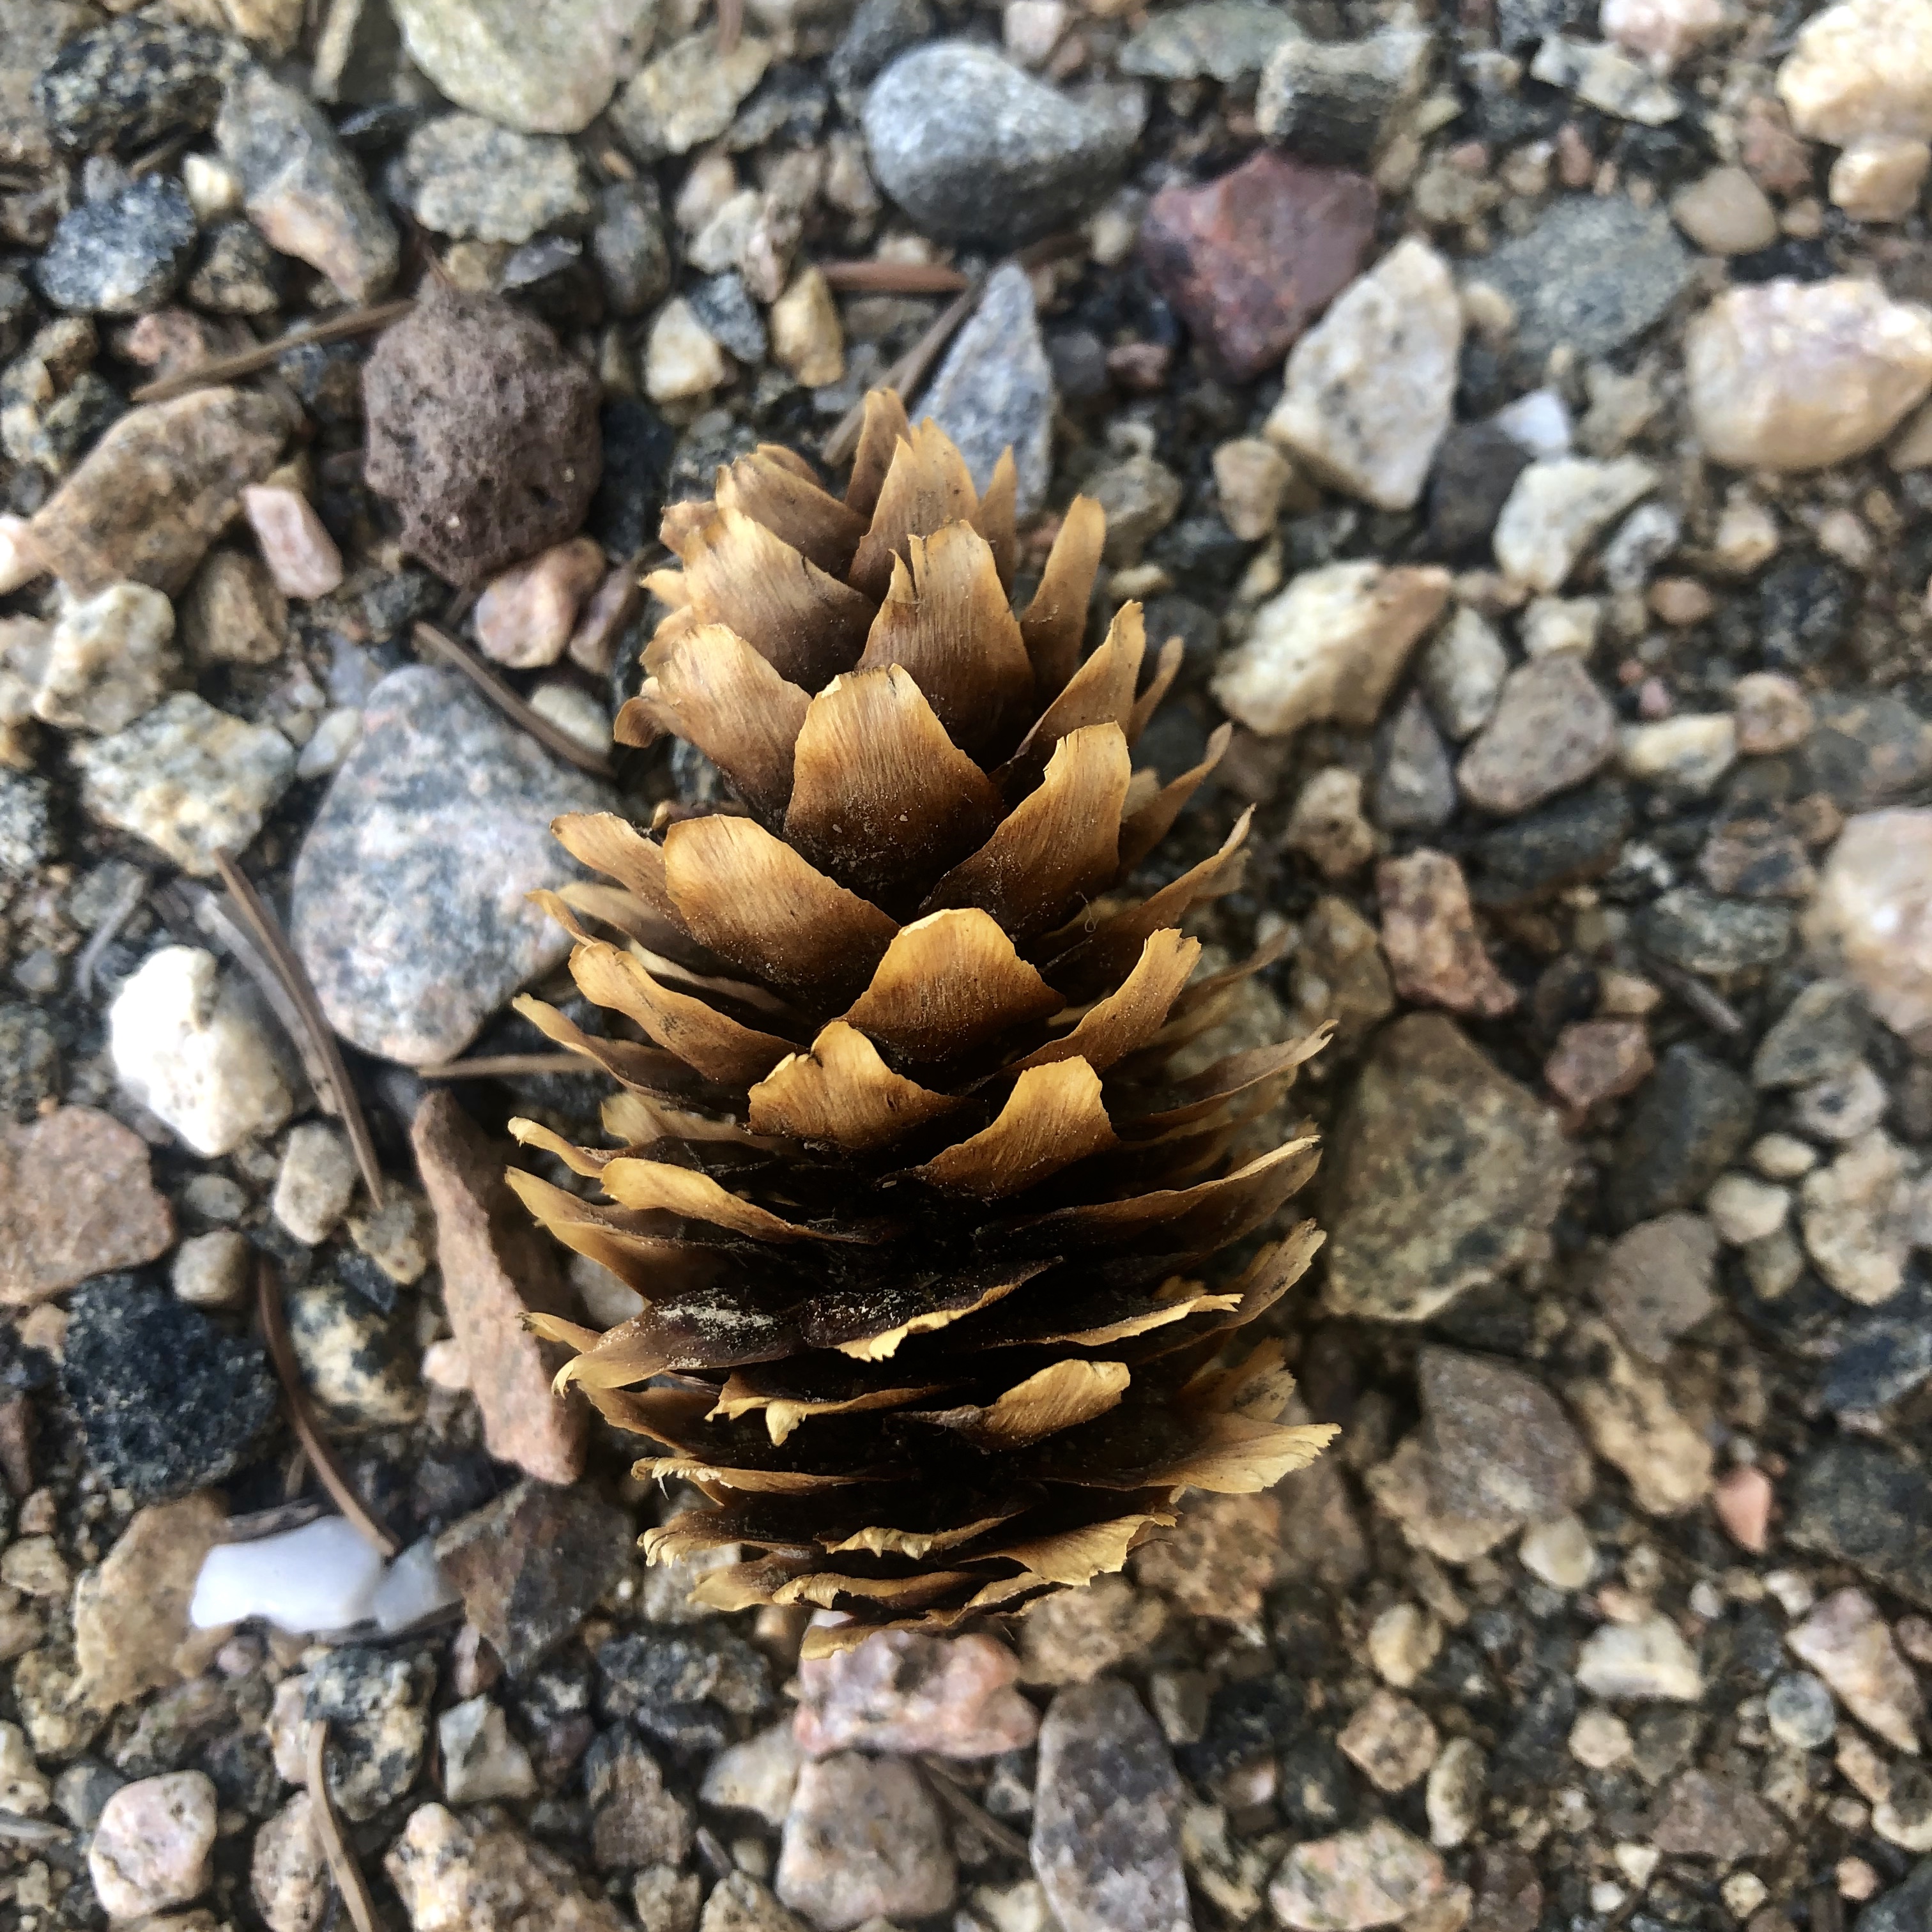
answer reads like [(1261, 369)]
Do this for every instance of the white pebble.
[(323, 1576)]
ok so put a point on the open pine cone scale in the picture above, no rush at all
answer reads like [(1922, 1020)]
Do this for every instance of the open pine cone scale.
[(915, 1204)]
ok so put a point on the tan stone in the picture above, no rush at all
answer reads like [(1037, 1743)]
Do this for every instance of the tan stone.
[(130, 1616)]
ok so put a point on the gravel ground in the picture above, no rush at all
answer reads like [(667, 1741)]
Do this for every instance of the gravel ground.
[(1519, 413)]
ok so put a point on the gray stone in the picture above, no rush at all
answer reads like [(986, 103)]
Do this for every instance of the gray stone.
[(724, 306), (302, 188), (1553, 728), (1702, 933), (1689, 1123), (1415, 788), (1819, 1036), (238, 273), (1593, 274), (1904, 1909), (1337, 101), (973, 149), (375, 1703), (26, 836), (1498, 1442), (994, 388), (1444, 1176), (1106, 1820), (635, 1820), (632, 255), (409, 907), (863, 1839), (188, 778), (464, 176), (31, 32), (122, 256), (1564, 843), (1212, 39), (549, 69)]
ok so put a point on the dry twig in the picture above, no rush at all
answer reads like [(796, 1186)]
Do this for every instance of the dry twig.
[(268, 934), (247, 361), (321, 1452), (897, 278), (730, 24), (1710, 1006), (449, 651), (507, 1066), (945, 1780), (342, 1866), (104, 935)]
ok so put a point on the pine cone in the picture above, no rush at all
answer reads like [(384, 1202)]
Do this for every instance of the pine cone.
[(914, 1204)]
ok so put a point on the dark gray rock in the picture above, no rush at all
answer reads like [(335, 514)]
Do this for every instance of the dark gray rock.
[(1335, 101), (627, 241), (1593, 274), (973, 149), (1819, 1036), (1106, 1820), (1701, 933), (1805, 607), (687, 1687), (16, 312), (1213, 40), (1565, 842), (376, 1705), (1415, 785), (1861, 1504), (238, 273), (409, 907), (1883, 1355), (724, 305), (638, 448), (529, 1565), (1868, 748), (29, 1062), (1444, 1175), (1905, 1908), (168, 1401), (128, 84), (1692, 1118), (1476, 469), (995, 388), (123, 256)]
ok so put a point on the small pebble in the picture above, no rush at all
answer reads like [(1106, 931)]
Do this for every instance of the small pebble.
[(301, 556), (1742, 1501), (151, 1848), (1799, 1710)]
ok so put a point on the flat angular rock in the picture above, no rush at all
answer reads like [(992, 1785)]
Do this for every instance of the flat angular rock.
[(1655, 1282), (1859, 1504), (465, 176), (496, 1266), (994, 390), (157, 489), (467, 1874), (1378, 1875), (1370, 388), (1252, 257), (76, 1200), (1217, 40), (409, 907), (1106, 1820), (1553, 728), (1436, 955), (863, 1839), (1330, 645), (1444, 1173), (529, 1566), (130, 1616)]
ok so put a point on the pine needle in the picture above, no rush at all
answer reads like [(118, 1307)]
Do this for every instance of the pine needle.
[(342, 1866), (448, 651)]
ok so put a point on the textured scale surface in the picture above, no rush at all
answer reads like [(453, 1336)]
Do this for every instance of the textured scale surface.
[(919, 1213)]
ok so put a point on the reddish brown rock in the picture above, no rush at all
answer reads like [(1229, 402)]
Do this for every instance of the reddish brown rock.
[(496, 1265), (1251, 259), (76, 1200), (1435, 953), (481, 431), (901, 1691), (157, 489)]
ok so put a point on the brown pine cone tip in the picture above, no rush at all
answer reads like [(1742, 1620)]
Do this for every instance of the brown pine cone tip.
[(914, 1203)]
